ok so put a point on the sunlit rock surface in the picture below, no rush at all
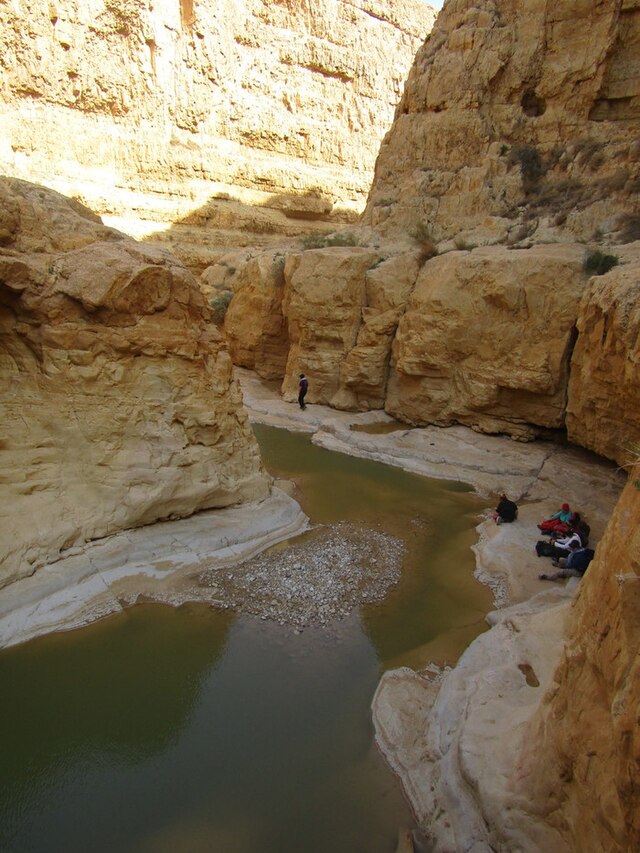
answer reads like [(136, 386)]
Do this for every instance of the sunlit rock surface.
[(517, 121), (118, 402), (223, 116), (603, 410)]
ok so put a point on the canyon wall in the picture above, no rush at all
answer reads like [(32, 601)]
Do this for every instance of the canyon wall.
[(223, 116), (118, 406), (581, 751), (516, 126), (511, 172)]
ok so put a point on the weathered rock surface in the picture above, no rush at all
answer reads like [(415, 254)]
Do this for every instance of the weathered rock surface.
[(517, 127), (581, 752), (160, 562), (486, 340), (149, 113), (118, 402), (603, 409), (531, 742), (516, 123), (254, 324)]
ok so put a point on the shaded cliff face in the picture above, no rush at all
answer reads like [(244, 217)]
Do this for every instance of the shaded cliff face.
[(582, 751), (117, 401), (517, 120), (148, 111)]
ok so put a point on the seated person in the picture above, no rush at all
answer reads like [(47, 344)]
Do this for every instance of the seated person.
[(573, 566), (564, 544), (559, 521), (506, 511)]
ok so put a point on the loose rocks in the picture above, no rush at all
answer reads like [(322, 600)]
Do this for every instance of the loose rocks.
[(323, 576)]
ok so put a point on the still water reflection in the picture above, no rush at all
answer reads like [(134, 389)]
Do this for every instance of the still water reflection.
[(195, 730)]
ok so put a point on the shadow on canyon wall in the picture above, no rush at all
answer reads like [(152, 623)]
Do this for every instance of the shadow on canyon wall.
[(225, 223)]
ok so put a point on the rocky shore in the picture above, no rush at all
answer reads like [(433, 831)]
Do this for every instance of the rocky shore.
[(445, 733), (452, 736)]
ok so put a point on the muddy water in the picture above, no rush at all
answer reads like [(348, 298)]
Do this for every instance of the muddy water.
[(199, 730)]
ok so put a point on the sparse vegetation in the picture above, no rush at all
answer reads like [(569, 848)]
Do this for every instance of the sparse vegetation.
[(278, 264), (530, 162), (219, 305), (463, 245), (504, 149), (378, 261), (599, 263), (324, 241), (422, 235)]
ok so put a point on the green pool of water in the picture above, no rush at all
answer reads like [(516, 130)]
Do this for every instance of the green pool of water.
[(196, 730)]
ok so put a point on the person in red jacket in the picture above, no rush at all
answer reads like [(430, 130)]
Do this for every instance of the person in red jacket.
[(558, 522)]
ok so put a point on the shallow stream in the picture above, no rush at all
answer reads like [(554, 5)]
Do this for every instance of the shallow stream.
[(195, 729)]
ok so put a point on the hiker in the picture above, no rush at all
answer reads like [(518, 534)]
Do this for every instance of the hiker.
[(303, 385), (559, 521), (506, 511), (565, 544), (574, 566), (560, 547)]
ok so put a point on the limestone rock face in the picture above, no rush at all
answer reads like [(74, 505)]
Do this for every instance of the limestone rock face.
[(254, 324), (486, 339), (117, 398), (582, 750), (323, 305), (603, 410), (517, 119), (147, 112)]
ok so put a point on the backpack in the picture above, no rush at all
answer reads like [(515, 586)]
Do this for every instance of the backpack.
[(545, 549)]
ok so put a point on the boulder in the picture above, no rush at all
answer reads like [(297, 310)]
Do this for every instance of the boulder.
[(603, 408), (118, 402), (486, 340)]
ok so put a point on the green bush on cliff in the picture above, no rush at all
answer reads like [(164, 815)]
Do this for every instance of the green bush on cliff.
[(324, 241), (530, 162), (219, 305), (598, 263)]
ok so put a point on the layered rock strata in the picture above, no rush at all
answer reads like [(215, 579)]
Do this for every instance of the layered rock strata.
[(512, 162), (603, 411), (517, 126), (204, 112), (118, 402)]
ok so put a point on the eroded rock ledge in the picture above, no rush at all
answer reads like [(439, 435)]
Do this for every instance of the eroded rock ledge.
[(119, 407), (531, 743)]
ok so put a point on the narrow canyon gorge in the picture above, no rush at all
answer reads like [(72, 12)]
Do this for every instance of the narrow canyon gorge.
[(433, 216)]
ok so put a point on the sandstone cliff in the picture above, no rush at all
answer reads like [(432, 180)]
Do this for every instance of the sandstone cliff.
[(513, 157), (118, 403), (581, 752), (149, 112), (516, 124)]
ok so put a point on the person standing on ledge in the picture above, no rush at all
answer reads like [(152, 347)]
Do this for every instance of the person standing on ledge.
[(303, 385)]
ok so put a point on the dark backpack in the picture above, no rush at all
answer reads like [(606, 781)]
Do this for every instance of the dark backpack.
[(545, 549)]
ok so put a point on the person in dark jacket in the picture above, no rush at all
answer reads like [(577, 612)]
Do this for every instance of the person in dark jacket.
[(574, 566), (506, 511), (303, 386)]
